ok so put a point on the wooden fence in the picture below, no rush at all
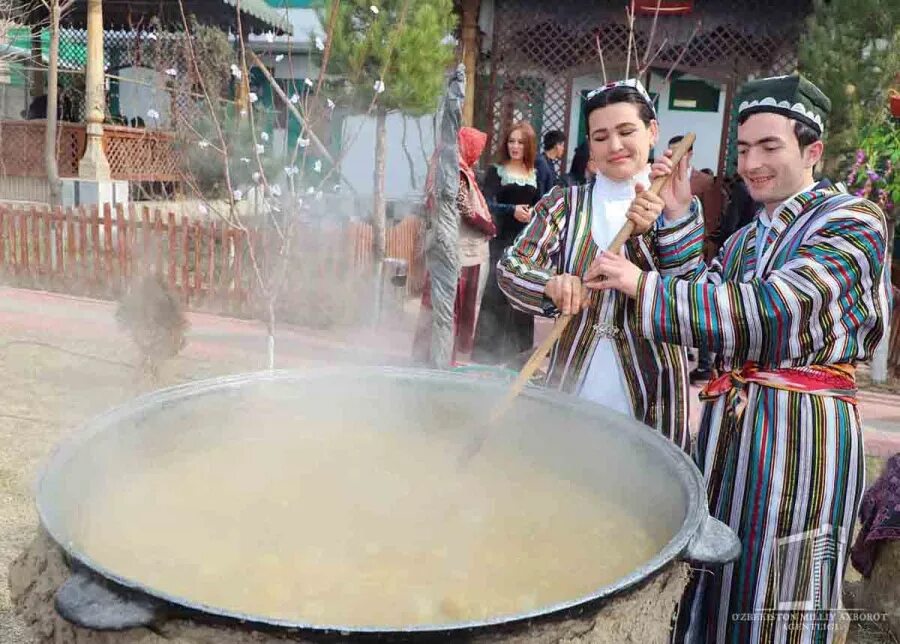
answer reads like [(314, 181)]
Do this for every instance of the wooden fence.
[(98, 253)]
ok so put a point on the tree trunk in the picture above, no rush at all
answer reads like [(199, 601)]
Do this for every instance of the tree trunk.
[(50, 162), (378, 210), (270, 328), (379, 240)]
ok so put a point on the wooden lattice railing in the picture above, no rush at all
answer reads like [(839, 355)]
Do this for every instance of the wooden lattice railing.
[(134, 154), (22, 148)]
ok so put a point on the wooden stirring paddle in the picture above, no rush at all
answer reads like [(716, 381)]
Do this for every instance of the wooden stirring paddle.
[(562, 322)]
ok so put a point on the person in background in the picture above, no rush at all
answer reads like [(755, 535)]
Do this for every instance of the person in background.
[(476, 228), (739, 212), (511, 189), (579, 168), (554, 150)]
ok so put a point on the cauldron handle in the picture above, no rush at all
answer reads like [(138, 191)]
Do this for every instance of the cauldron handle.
[(88, 601), (714, 543)]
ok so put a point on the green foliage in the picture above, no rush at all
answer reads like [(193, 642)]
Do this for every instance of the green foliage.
[(873, 174), (410, 55), (851, 50)]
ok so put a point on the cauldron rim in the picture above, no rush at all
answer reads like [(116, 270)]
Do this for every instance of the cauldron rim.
[(678, 461)]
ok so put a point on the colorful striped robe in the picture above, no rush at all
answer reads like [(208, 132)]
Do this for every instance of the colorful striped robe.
[(558, 240), (786, 463)]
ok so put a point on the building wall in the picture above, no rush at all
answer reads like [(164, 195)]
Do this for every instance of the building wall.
[(706, 125), (359, 149), (357, 131)]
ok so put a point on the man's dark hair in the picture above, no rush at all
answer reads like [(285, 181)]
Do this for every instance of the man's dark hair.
[(677, 139), (805, 134), (708, 171), (552, 139), (622, 94)]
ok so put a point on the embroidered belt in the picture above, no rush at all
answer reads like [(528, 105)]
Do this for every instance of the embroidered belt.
[(836, 381)]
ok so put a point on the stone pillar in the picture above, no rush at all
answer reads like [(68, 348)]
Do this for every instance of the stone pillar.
[(470, 56), (93, 164)]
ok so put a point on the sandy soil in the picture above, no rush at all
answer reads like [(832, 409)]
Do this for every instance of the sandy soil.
[(46, 393)]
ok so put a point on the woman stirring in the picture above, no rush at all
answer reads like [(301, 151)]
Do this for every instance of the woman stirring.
[(510, 188), (601, 356)]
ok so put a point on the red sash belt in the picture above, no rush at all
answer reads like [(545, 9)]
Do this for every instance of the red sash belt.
[(836, 381)]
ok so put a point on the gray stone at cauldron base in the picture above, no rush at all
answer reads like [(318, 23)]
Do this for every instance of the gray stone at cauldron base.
[(84, 600), (640, 616)]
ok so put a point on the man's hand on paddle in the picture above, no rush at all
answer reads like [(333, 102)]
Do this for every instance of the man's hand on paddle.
[(567, 293), (673, 200), (676, 194), (619, 274)]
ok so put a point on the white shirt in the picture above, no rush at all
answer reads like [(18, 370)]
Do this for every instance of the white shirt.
[(604, 382)]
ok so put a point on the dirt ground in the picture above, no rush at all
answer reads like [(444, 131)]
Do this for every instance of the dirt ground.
[(46, 392)]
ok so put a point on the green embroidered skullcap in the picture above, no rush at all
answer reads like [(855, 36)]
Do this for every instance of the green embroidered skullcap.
[(792, 96)]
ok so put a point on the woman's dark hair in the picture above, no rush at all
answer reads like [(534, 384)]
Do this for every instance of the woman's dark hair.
[(622, 94)]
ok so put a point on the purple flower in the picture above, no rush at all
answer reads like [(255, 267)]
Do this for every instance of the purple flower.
[(860, 156), (858, 193), (873, 176)]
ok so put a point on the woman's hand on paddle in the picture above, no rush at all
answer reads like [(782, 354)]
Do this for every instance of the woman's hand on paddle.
[(644, 210), (567, 293), (677, 192), (522, 214), (610, 271)]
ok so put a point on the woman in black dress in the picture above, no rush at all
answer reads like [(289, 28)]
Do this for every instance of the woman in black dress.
[(510, 187)]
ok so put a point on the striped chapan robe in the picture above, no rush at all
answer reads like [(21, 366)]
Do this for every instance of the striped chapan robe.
[(780, 443), (558, 240)]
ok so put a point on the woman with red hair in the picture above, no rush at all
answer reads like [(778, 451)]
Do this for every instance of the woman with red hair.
[(510, 188)]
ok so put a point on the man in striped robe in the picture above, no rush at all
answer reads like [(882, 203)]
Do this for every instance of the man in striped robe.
[(790, 305)]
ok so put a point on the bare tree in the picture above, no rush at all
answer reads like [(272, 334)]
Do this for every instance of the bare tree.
[(55, 9)]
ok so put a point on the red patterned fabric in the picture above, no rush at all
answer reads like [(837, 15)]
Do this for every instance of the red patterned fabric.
[(465, 310), (837, 380)]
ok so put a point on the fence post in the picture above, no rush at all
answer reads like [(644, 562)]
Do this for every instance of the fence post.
[(211, 258), (157, 238), (44, 263), (59, 229), (121, 238), (23, 241), (3, 244), (173, 251), (185, 260), (84, 271), (71, 246), (198, 281), (97, 248)]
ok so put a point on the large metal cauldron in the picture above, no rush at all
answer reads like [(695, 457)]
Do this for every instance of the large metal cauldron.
[(572, 439)]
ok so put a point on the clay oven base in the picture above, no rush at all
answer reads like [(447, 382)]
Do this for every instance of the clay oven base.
[(643, 615)]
